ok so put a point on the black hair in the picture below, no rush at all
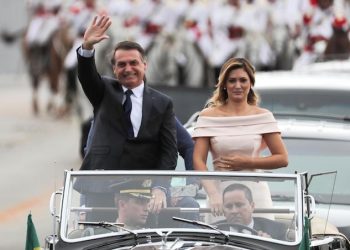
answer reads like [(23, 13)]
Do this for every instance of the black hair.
[(241, 187)]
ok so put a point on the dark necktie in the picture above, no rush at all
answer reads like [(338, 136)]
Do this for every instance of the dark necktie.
[(127, 106)]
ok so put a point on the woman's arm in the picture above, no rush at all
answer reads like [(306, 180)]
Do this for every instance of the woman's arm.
[(200, 153), (277, 159), (212, 188), (279, 154)]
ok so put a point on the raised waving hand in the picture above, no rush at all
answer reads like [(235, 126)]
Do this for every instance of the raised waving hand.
[(96, 32)]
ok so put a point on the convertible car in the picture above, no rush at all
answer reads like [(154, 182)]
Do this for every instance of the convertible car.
[(103, 210)]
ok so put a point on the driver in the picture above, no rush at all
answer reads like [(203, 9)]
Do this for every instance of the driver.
[(238, 207)]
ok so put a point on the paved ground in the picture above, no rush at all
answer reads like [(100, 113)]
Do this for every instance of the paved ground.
[(34, 152)]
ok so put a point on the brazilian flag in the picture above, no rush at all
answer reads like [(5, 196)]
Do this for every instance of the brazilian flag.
[(305, 241), (32, 242)]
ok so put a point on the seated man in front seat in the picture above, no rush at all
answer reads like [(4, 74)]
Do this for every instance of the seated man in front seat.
[(238, 206), (132, 201)]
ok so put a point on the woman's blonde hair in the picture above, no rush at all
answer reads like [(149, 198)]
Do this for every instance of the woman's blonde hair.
[(220, 95)]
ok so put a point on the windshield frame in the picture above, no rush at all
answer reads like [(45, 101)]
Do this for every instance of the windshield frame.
[(70, 175)]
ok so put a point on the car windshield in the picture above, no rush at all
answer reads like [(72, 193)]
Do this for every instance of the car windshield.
[(311, 102), (98, 204), (317, 155)]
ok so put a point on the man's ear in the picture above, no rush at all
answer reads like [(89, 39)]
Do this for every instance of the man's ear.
[(252, 204), (115, 72), (122, 203)]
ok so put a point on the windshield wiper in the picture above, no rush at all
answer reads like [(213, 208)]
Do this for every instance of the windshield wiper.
[(107, 225), (202, 224)]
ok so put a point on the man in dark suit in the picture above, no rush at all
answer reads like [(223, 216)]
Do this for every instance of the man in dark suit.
[(134, 124), (238, 208), (184, 141)]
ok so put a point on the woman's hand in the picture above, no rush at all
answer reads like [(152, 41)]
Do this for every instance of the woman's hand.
[(216, 204), (212, 188), (234, 163), (158, 200)]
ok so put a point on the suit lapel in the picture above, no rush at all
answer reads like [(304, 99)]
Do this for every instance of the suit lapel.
[(257, 225), (118, 91), (260, 225), (147, 104)]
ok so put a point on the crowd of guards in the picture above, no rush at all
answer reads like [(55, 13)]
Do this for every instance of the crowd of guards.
[(187, 41)]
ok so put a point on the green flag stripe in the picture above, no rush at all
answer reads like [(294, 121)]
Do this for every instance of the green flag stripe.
[(305, 241), (32, 242)]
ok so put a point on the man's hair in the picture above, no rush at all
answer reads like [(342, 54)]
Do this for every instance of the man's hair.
[(128, 45), (123, 197), (241, 187)]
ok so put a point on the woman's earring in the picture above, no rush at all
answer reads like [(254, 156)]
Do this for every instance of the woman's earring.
[(224, 88)]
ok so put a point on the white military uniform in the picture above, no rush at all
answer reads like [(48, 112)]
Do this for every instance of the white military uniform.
[(224, 42), (42, 25), (254, 20), (165, 56), (78, 17), (317, 30)]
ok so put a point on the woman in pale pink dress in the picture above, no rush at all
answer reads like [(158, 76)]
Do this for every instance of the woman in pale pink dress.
[(235, 130)]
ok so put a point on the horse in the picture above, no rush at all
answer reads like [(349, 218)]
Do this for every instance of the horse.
[(44, 60)]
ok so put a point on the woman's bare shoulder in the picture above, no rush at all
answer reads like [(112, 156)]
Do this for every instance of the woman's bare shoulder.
[(259, 110), (211, 111)]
